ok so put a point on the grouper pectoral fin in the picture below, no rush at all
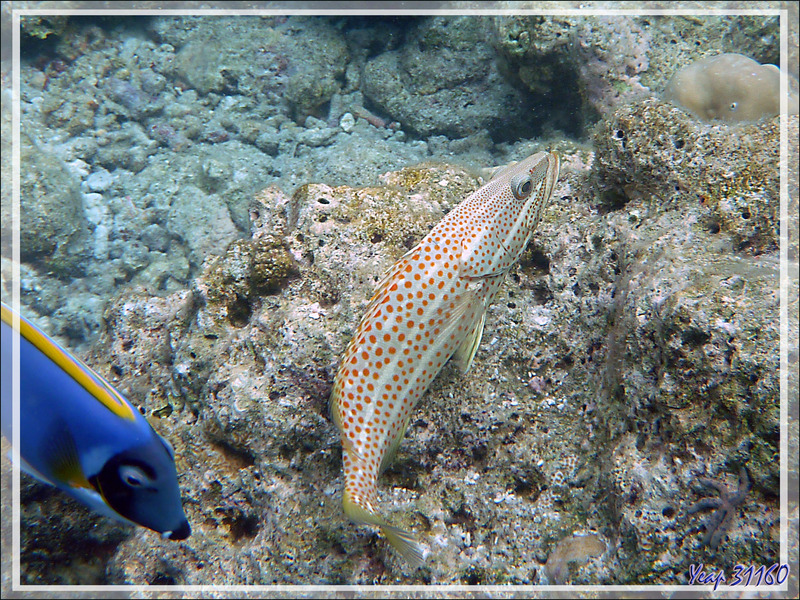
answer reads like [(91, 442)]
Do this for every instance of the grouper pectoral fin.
[(465, 353)]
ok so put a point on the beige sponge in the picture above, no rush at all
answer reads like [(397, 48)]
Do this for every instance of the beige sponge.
[(729, 87)]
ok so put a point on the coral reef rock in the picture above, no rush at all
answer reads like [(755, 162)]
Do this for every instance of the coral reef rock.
[(632, 350), (729, 175), (434, 70)]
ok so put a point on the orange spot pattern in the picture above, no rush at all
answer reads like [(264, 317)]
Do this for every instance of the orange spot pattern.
[(424, 309)]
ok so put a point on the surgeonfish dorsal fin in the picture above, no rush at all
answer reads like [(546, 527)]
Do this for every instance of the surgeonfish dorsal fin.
[(94, 383)]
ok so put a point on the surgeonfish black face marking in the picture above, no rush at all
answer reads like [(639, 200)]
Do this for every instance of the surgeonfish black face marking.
[(81, 435), (136, 484)]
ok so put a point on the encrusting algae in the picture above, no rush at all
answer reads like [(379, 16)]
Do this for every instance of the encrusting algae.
[(430, 305)]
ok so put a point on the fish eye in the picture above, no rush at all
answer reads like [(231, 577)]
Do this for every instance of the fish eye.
[(134, 477), (734, 105), (521, 186)]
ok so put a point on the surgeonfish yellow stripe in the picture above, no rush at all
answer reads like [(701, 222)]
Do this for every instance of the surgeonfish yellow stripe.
[(80, 435), (430, 306), (92, 381)]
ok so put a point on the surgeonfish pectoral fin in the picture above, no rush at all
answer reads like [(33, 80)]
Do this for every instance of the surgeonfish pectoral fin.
[(91, 498), (63, 458), (86, 495)]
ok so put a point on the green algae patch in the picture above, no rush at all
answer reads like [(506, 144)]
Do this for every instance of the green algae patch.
[(652, 147), (43, 26), (272, 265), (247, 270), (396, 215)]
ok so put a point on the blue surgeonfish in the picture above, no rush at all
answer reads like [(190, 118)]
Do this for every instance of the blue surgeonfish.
[(81, 435)]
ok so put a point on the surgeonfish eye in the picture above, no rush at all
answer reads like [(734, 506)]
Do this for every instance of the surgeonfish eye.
[(134, 476), (140, 484), (521, 186), (84, 437)]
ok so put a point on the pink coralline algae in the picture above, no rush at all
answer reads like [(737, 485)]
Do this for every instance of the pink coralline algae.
[(167, 135), (574, 548), (613, 52), (128, 95)]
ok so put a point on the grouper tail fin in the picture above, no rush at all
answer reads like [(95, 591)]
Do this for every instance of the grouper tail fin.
[(406, 544)]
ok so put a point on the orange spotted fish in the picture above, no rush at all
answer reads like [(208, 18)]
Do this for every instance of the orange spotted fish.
[(431, 305)]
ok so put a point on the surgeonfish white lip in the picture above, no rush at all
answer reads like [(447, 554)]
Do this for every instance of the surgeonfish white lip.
[(79, 434), (182, 532), (165, 535)]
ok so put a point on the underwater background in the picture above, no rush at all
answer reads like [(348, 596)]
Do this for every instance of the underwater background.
[(209, 200)]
